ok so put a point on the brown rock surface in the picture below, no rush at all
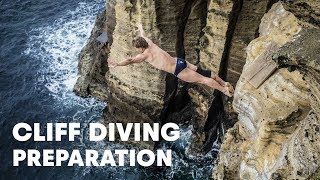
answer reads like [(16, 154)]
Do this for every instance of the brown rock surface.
[(92, 66), (276, 134), (221, 17), (245, 31), (92, 59)]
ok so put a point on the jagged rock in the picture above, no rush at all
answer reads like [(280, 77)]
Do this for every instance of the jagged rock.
[(276, 136), (92, 59), (91, 64)]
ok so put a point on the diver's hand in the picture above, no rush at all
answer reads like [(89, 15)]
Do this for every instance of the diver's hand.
[(112, 63), (142, 32), (139, 25), (140, 28)]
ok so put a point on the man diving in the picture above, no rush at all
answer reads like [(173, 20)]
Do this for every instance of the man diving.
[(153, 54)]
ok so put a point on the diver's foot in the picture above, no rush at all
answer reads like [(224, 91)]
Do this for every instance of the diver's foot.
[(227, 92), (231, 89)]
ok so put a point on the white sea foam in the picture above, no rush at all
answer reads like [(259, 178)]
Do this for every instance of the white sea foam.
[(57, 46), (197, 166)]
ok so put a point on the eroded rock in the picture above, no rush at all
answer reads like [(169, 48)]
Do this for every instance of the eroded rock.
[(277, 121)]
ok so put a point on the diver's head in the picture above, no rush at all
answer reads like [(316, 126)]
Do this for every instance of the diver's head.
[(140, 44)]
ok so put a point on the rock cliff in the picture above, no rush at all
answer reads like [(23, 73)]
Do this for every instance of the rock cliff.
[(277, 136), (277, 123)]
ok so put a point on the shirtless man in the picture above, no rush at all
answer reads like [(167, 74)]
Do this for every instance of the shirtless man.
[(153, 54)]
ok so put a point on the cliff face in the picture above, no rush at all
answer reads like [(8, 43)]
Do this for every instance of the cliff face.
[(277, 135), (277, 123), (219, 21), (246, 29)]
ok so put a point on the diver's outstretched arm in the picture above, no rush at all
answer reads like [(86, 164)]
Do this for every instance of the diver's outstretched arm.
[(138, 59), (142, 32)]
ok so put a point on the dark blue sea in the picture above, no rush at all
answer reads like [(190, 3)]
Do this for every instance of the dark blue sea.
[(40, 42)]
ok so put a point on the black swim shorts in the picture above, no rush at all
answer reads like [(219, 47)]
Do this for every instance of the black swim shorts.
[(181, 65)]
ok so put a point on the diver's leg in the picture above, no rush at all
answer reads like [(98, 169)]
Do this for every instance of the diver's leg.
[(209, 74), (218, 79), (191, 66), (191, 76)]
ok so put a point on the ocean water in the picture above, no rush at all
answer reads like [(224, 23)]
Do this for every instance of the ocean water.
[(40, 42)]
